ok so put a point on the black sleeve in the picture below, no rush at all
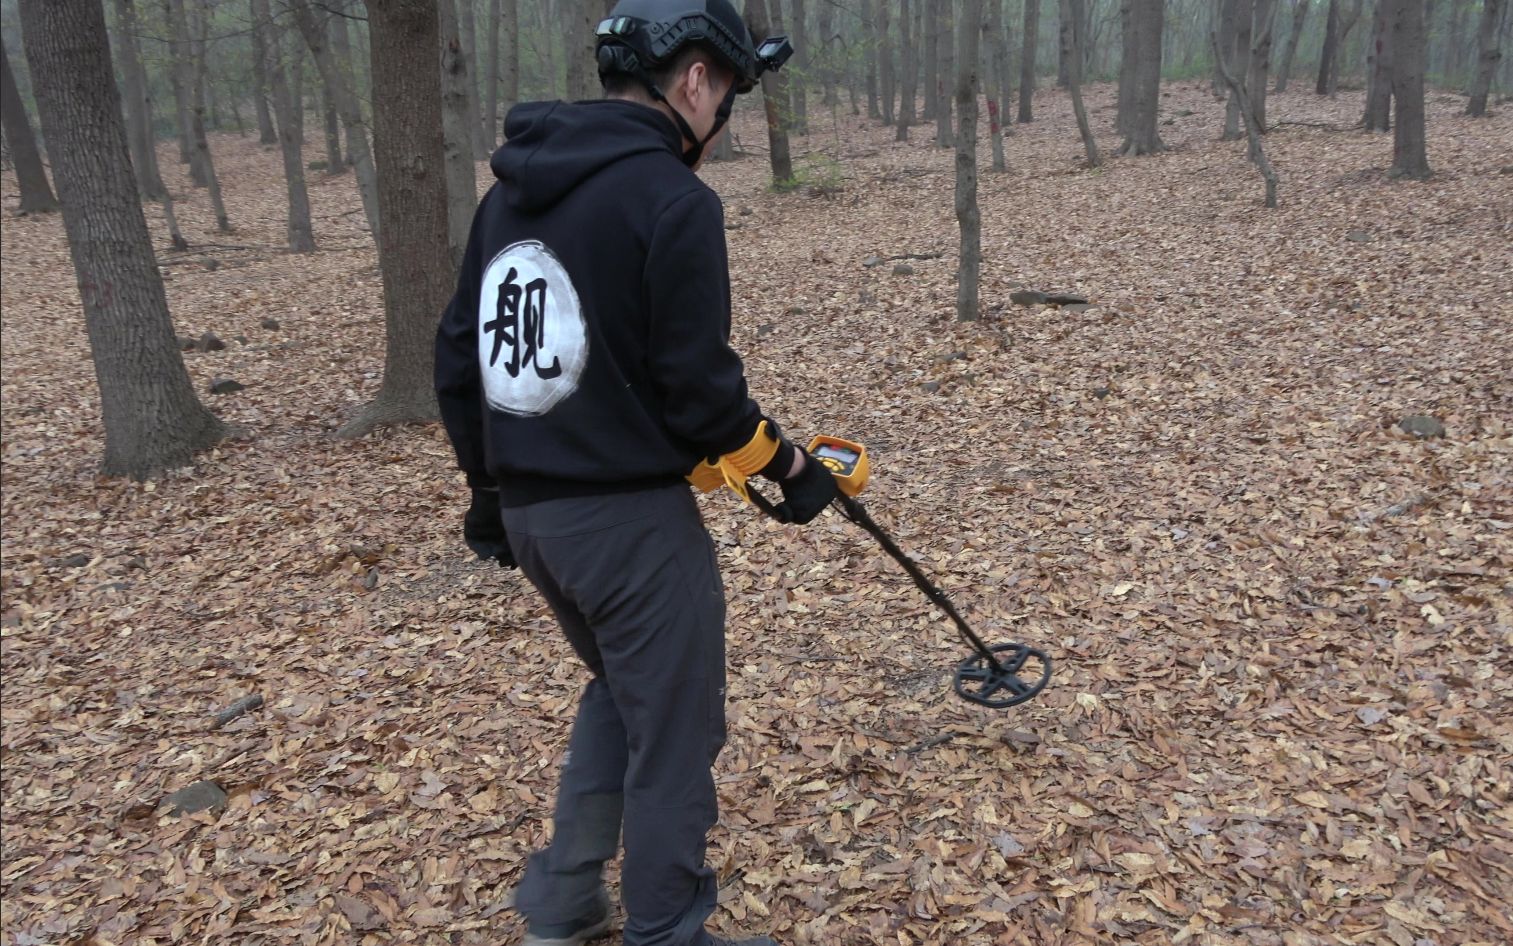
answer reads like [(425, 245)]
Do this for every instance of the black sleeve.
[(459, 388), (687, 280)]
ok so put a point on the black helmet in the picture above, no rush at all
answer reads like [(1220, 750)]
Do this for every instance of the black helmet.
[(641, 36)]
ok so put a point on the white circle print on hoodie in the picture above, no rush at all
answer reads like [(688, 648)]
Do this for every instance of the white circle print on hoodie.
[(532, 343)]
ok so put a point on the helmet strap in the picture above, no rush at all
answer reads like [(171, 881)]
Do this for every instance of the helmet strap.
[(722, 115)]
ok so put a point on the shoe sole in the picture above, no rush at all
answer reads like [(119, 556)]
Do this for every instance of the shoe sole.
[(599, 929)]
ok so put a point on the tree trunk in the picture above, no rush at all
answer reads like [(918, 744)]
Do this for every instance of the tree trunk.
[(509, 70), (467, 31), (334, 163), (996, 75), (491, 72), (301, 237), (1129, 55), (1487, 57), (944, 136), (201, 144), (418, 278), (582, 73), (320, 31), (266, 134), (1330, 53), (907, 73), (1027, 59), (1071, 12), (138, 106), (462, 186), (1226, 16), (1378, 116), (968, 217), (1263, 19), (153, 421), (31, 175), (1238, 65), (294, 54), (1147, 18), (1065, 29), (1409, 157), (774, 94), (1233, 81), (798, 78), (886, 76), (873, 49), (827, 71), (1299, 18), (931, 42), (181, 78)]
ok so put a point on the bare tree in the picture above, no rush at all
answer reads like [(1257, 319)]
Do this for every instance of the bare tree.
[(301, 236), (1234, 81), (153, 421), (319, 31), (181, 78), (467, 32), (886, 76), (1299, 18), (1409, 156), (826, 67), (1071, 12), (930, 40), (874, 48), (774, 94), (1336, 32), (462, 193), (996, 78), (137, 103), (418, 278), (31, 175), (944, 137), (1238, 51), (968, 217), (1487, 57), (1263, 16), (266, 133), (580, 17), (1128, 56), (1147, 23), (908, 72), (798, 79), (1378, 115), (1027, 59)]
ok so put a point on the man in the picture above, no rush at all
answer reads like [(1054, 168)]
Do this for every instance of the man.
[(584, 370)]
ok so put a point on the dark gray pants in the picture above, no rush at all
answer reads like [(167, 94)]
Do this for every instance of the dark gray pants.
[(632, 578)]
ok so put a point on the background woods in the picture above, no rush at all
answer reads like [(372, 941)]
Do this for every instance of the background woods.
[(1178, 331)]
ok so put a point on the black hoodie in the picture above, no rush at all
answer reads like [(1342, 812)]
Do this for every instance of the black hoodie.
[(587, 347)]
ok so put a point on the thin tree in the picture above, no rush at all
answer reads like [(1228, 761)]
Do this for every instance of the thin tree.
[(1378, 114), (467, 32), (908, 72), (930, 40), (198, 138), (300, 234), (1235, 83), (181, 78), (798, 78), (944, 137), (1238, 50), (886, 76), (137, 102), (153, 420), (1071, 12), (996, 78), (1299, 18), (266, 133), (31, 176), (418, 278), (968, 217), (319, 29), (1488, 54), (1128, 56), (1027, 60), (1409, 156), (874, 47), (1147, 22), (826, 67), (774, 94), (1263, 17), (456, 121)]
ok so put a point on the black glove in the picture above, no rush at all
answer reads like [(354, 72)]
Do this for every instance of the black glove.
[(807, 494), (483, 529)]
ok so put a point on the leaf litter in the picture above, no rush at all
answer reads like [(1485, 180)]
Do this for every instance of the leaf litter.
[(1282, 623)]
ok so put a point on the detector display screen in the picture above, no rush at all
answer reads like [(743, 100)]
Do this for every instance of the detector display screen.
[(839, 454)]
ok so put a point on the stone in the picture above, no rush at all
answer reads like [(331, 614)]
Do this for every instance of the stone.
[(1422, 426), (930, 387), (1101, 393), (1077, 306), (1358, 236), (225, 386), (765, 329), (1027, 297), (903, 269), (186, 343), (200, 796), (209, 342), (872, 262), (76, 560), (866, 297), (269, 323)]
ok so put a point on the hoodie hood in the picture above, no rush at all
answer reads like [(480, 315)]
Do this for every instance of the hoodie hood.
[(553, 147)]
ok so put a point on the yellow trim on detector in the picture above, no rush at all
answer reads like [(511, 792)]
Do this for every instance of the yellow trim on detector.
[(736, 467)]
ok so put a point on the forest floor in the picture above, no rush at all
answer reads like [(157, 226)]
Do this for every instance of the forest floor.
[(1282, 627)]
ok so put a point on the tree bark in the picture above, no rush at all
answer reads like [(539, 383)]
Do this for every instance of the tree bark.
[(300, 235), (1409, 156), (1147, 19), (418, 278), (886, 77), (1263, 18), (1378, 115), (138, 105), (1071, 12), (827, 71), (944, 137), (1065, 28), (1488, 54), (266, 133), (31, 176), (996, 79), (335, 165), (1027, 59), (1329, 55), (931, 42), (798, 77), (1299, 18), (873, 49), (1239, 65), (462, 194), (467, 32), (181, 77), (774, 94), (200, 142), (153, 421), (907, 73), (582, 73), (491, 72), (968, 216), (1129, 55), (320, 31), (1257, 154)]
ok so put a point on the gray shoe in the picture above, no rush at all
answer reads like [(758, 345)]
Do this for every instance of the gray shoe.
[(595, 924)]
